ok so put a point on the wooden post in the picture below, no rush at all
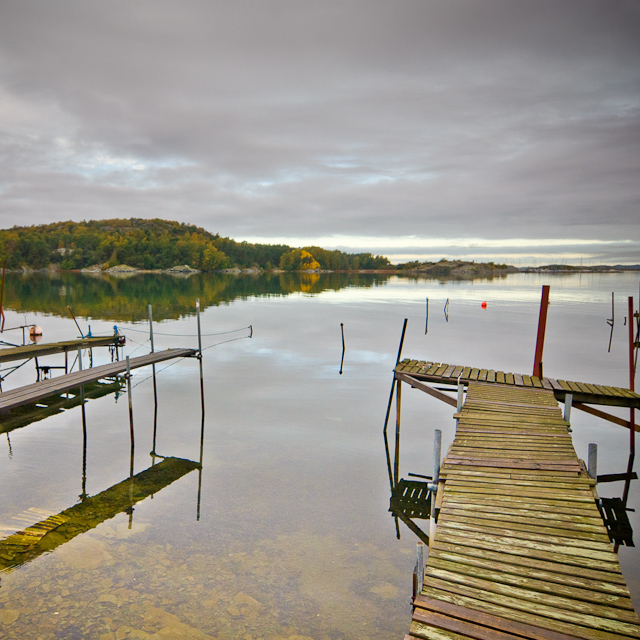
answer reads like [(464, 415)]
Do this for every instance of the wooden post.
[(460, 395), (593, 460), (396, 467), (426, 322), (79, 359), (151, 327), (393, 383), (542, 325), (632, 412)]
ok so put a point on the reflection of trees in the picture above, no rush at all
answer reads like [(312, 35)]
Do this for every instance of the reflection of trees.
[(126, 299)]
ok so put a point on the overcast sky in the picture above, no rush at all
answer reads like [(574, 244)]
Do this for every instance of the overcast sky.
[(486, 129)]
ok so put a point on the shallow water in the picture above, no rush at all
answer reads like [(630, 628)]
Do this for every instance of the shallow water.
[(293, 537)]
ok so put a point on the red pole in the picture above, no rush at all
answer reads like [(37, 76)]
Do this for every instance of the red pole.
[(542, 325)]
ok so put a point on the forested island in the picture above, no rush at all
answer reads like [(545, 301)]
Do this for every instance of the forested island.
[(161, 244)]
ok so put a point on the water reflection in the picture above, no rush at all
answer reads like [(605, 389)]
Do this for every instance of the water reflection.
[(57, 403), (107, 297), (53, 531)]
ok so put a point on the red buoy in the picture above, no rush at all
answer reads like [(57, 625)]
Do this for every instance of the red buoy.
[(484, 305)]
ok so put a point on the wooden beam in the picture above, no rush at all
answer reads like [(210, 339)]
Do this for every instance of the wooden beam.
[(604, 415), (416, 384)]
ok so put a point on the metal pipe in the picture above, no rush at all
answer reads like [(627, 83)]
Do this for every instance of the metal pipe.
[(542, 325), (593, 460)]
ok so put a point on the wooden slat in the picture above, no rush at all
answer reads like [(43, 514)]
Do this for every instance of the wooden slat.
[(519, 537)]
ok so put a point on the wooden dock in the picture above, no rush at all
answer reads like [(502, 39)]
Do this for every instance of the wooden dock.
[(26, 352), (34, 392), (520, 550), (581, 392)]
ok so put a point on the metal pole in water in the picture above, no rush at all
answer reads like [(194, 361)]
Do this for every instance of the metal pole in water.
[(437, 449), (151, 327), (568, 400), (130, 414), (593, 460), (200, 356)]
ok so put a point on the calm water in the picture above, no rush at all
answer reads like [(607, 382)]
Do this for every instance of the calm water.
[(294, 537)]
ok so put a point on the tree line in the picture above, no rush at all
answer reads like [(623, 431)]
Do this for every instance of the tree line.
[(160, 244)]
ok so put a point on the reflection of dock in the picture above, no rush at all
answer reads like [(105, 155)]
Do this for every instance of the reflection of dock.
[(28, 351), (34, 392), (50, 533), (57, 402), (520, 549)]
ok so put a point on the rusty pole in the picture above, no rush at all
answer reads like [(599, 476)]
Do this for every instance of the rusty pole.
[(542, 325)]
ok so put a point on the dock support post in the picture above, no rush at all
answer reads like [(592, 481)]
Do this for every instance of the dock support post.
[(200, 356), (542, 325), (418, 572), (396, 466), (632, 387), (151, 327), (437, 450), (460, 395), (394, 382), (155, 389), (130, 415), (568, 400), (592, 464), (79, 359)]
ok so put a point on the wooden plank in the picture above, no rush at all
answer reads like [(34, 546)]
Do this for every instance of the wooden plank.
[(551, 564), (527, 613), (548, 572), (425, 603), (583, 594)]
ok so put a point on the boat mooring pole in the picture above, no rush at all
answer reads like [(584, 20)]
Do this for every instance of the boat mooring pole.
[(130, 415), (200, 356), (386, 420), (632, 411), (542, 325), (151, 327), (437, 449)]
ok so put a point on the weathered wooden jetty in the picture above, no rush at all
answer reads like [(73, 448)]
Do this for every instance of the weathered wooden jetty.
[(28, 351), (33, 392), (520, 549)]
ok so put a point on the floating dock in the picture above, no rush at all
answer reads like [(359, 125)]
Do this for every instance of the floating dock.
[(520, 549), (34, 392)]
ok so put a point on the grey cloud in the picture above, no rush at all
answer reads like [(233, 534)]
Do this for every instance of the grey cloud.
[(447, 118)]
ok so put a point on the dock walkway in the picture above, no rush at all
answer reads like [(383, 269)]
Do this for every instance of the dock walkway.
[(33, 392), (520, 549), (581, 392), (28, 351)]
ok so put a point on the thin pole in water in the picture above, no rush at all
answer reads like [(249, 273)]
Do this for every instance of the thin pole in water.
[(342, 359), (386, 420), (426, 323)]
